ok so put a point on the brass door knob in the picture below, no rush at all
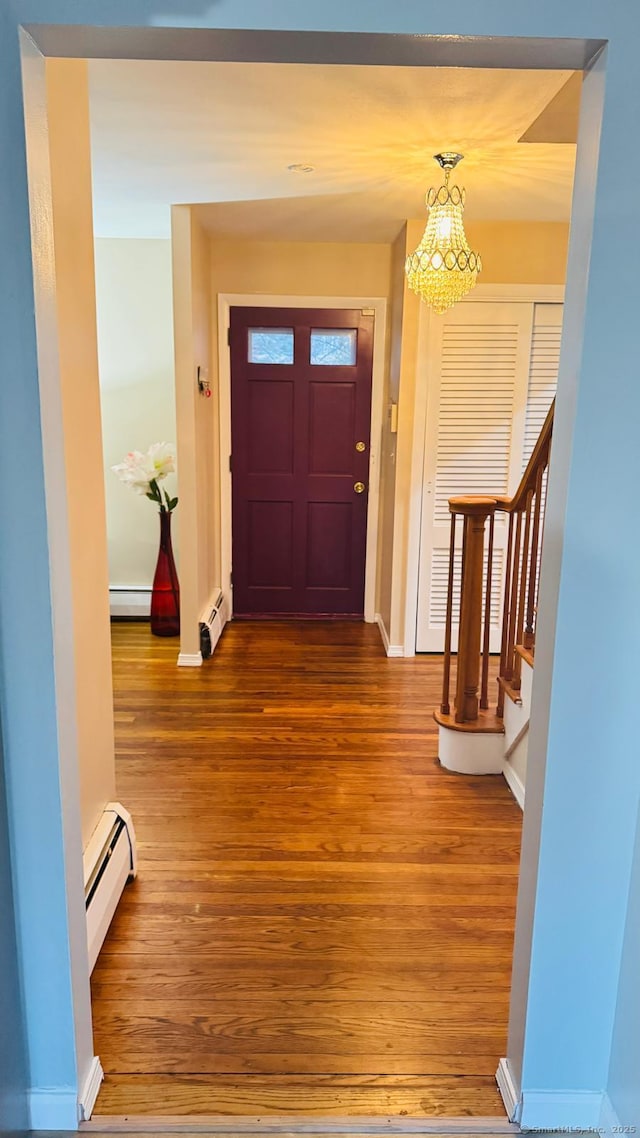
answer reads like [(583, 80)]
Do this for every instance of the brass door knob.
[(359, 487), (360, 447)]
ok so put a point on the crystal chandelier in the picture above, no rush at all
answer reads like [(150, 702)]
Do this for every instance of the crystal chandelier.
[(443, 268)]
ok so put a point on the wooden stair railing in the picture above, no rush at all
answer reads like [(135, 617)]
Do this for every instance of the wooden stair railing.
[(525, 510)]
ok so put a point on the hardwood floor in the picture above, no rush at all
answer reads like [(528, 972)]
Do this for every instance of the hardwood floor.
[(323, 918)]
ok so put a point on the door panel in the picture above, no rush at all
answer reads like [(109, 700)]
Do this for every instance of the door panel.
[(328, 560), (331, 427), (270, 545), (270, 427), (300, 401)]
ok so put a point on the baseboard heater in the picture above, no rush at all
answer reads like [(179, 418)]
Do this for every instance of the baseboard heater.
[(109, 861), (212, 621), (131, 602)]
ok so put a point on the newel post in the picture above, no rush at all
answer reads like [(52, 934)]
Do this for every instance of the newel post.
[(475, 512)]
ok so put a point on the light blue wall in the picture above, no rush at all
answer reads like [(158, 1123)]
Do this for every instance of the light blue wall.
[(27, 688), (624, 1075), (13, 1054), (592, 787)]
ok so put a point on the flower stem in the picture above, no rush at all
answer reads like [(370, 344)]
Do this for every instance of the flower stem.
[(155, 495)]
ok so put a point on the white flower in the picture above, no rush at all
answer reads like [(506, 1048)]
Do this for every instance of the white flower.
[(134, 472), (139, 470), (161, 457)]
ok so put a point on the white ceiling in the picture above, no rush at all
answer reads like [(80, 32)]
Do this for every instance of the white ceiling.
[(224, 134)]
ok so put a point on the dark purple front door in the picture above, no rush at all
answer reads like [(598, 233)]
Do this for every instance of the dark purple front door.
[(300, 414)]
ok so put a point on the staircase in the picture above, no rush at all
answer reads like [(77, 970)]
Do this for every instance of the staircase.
[(480, 735)]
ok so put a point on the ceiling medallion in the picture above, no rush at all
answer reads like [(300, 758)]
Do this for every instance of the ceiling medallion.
[(443, 269)]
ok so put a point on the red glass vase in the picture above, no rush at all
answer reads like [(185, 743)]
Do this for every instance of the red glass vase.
[(165, 596)]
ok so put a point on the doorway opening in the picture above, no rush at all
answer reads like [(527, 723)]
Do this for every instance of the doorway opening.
[(294, 425), (404, 732)]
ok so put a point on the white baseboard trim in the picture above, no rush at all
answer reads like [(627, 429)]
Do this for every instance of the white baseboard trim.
[(383, 632), (190, 660), (562, 1110), (515, 784), (130, 600), (395, 650), (53, 1108), (555, 1110), (609, 1121), (89, 1092), (509, 1090)]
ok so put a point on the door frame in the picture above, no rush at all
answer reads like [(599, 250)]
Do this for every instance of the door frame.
[(57, 841), (425, 363), (229, 300)]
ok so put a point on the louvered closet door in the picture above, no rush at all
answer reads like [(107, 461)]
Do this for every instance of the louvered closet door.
[(476, 420), (543, 380), (543, 371)]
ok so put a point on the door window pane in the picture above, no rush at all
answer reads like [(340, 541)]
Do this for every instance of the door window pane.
[(335, 346), (271, 345)]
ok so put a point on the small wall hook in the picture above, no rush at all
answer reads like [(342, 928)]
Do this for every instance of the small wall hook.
[(204, 387)]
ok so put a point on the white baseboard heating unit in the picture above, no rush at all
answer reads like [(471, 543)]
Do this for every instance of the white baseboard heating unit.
[(109, 861), (212, 621)]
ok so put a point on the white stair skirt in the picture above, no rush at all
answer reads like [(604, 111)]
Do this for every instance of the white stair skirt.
[(471, 752), (494, 752), (516, 736)]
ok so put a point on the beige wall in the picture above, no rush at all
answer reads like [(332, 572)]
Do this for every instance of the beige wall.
[(520, 252), (389, 439), (207, 467), (196, 436), (404, 357), (70, 160), (137, 390), (515, 252), (300, 268)]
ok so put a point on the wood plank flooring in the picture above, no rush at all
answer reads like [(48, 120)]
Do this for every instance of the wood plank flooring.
[(323, 918)]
